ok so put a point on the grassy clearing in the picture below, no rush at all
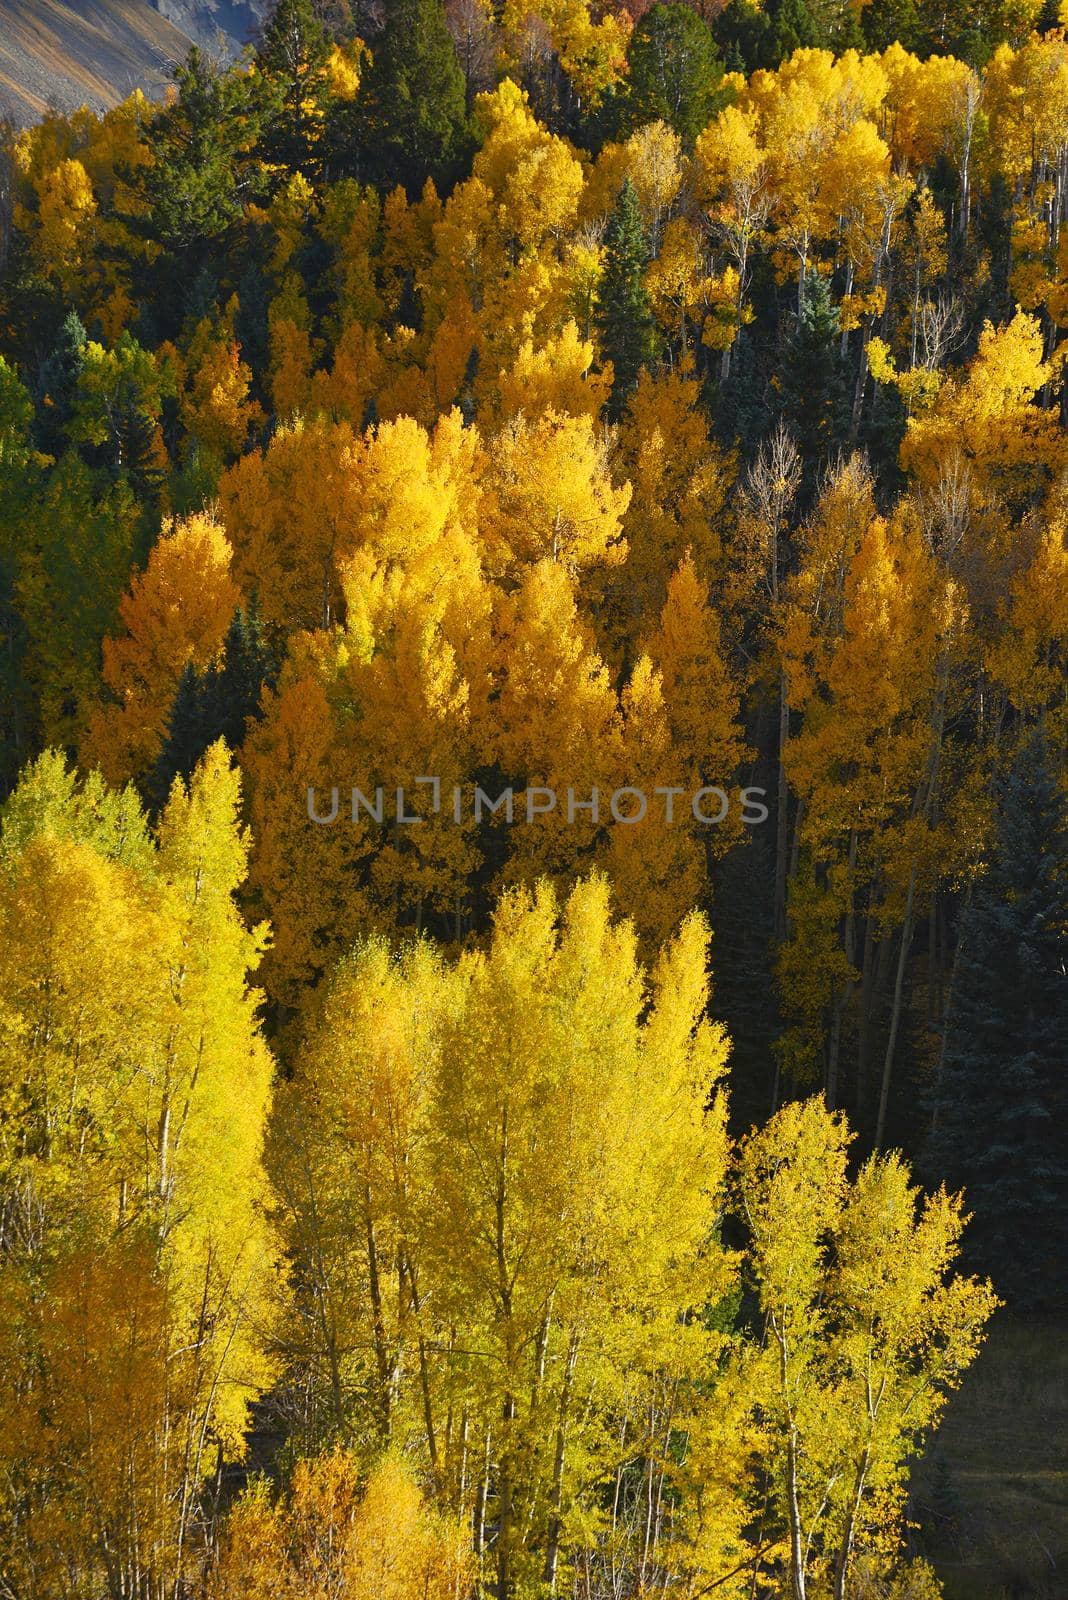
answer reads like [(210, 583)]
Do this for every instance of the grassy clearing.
[(992, 1496)]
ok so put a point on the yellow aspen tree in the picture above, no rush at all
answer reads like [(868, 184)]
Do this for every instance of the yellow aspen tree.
[(679, 286), (415, 637), (550, 495), (733, 181), (883, 726), (215, 408), (556, 376), (307, 877), (536, 1248), (423, 1173), (356, 374), (175, 613), (66, 213), (350, 1160), (156, 1082), (500, 238), (867, 1333), (409, 230), (652, 159), (552, 723), (378, 1541), (989, 419), (657, 867), (1028, 655), (291, 513), (293, 350), (680, 481), (679, 736), (701, 698)]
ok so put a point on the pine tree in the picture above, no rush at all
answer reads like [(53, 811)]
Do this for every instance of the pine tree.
[(215, 704), (793, 28), (812, 387), (203, 171), (1001, 1106), (57, 386), (186, 739), (674, 72), (884, 21), (292, 58), (743, 34), (20, 480), (624, 313), (413, 112), (249, 662)]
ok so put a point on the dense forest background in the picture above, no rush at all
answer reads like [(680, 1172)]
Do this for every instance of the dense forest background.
[(569, 398)]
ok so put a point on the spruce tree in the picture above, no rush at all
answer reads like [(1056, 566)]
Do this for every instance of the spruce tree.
[(186, 740), (204, 170), (412, 112), (743, 35), (1001, 1103), (793, 27), (291, 60), (883, 21), (57, 386), (216, 704), (674, 72), (624, 314), (233, 689), (812, 381)]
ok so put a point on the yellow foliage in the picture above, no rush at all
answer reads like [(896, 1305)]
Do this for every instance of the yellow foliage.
[(553, 495), (556, 377), (989, 418), (175, 614)]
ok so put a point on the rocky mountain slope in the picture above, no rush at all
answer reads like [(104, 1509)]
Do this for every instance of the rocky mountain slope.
[(66, 53)]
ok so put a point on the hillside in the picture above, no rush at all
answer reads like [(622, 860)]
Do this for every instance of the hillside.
[(61, 54)]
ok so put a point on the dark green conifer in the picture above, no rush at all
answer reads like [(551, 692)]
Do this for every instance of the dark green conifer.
[(204, 170), (624, 314), (1001, 1101), (216, 704), (293, 52), (675, 72), (793, 27), (811, 384), (57, 386), (412, 111), (188, 736)]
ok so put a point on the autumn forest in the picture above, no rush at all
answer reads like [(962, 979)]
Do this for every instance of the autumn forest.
[(533, 804)]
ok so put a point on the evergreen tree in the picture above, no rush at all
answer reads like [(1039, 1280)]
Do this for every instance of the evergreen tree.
[(624, 314), (57, 386), (743, 35), (20, 482), (203, 171), (883, 21), (412, 112), (251, 325), (215, 704), (187, 738), (291, 60), (1001, 1106), (234, 689), (811, 381), (674, 72), (793, 27), (118, 404)]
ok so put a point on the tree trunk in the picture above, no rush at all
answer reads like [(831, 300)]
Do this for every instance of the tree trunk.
[(552, 1551), (782, 815), (895, 1014)]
